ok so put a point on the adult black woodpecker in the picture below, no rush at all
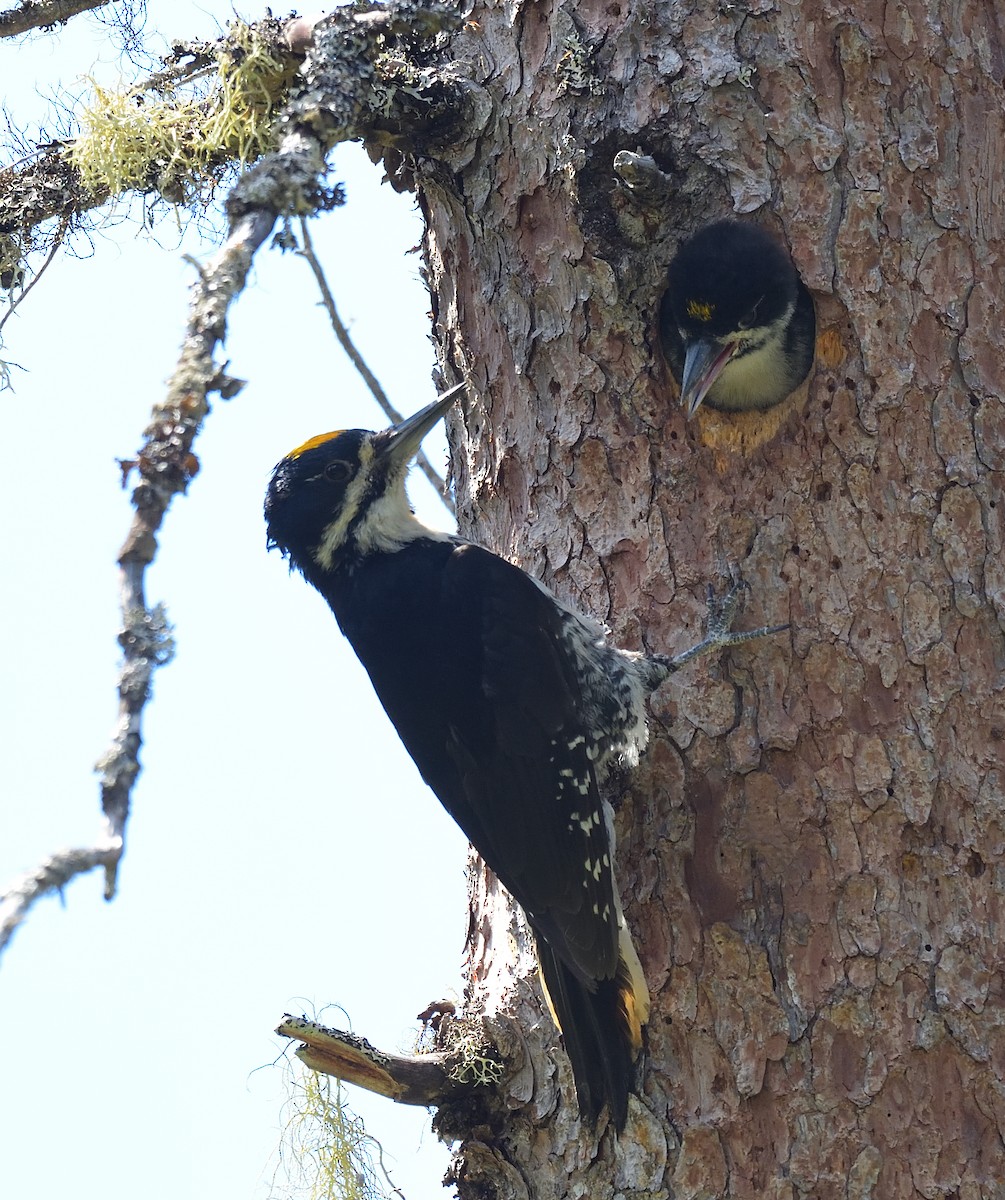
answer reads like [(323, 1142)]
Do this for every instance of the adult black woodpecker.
[(511, 705), (737, 323)]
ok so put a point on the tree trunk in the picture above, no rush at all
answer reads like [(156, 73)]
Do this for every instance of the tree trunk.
[(811, 854)]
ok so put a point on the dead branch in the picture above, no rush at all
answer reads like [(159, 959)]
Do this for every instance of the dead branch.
[(418, 1079), (43, 14), (49, 876), (372, 382)]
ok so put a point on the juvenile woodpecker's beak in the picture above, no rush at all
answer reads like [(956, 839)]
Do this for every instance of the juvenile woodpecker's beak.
[(401, 443), (703, 363)]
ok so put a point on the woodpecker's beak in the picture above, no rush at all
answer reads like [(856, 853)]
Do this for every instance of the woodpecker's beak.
[(401, 443), (703, 363)]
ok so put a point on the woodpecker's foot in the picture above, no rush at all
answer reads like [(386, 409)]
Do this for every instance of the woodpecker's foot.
[(719, 633)]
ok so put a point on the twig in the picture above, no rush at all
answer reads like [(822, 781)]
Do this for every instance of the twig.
[(64, 225), (390, 412), (42, 14), (184, 72)]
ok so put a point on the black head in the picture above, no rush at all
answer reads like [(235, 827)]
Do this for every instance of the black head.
[(736, 324), (308, 490), (727, 278), (343, 493)]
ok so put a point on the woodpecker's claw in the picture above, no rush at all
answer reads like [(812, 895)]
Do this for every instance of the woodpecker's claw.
[(722, 610), (718, 628)]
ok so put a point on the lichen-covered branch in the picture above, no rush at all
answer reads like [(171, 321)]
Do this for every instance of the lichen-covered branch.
[(43, 14), (145, 638), (158, 139), (173, 135), (33, 193), (166, 461)]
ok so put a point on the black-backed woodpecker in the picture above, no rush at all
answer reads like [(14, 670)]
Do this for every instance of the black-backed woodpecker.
[(736, 323), (511, 705)]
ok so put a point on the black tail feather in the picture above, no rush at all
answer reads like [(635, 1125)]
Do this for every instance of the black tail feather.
[(598, 1038)]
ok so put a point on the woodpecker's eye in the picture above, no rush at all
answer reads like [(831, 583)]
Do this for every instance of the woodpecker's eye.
[(338, 471), (750, 320)]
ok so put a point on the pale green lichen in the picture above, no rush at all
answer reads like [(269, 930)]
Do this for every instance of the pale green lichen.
[(575, 69), (177, 141), (473, 1062), (325, 1152)]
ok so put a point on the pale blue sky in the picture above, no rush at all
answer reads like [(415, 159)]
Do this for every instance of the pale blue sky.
[(283, 853)]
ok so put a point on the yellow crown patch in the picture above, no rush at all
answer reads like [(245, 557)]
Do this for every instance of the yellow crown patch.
[(317, 440), (700, 310)]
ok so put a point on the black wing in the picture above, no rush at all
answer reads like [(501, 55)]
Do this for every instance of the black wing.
[(466, 654), (521, 755), (468, 658)]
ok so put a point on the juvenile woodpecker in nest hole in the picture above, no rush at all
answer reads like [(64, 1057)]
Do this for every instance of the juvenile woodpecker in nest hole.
[(736, 323), (510, 703)]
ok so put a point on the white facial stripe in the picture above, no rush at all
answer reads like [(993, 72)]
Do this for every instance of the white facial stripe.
[(387, 524), (335, 534)]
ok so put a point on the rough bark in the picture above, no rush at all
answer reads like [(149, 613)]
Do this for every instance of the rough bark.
[(812, 852)]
